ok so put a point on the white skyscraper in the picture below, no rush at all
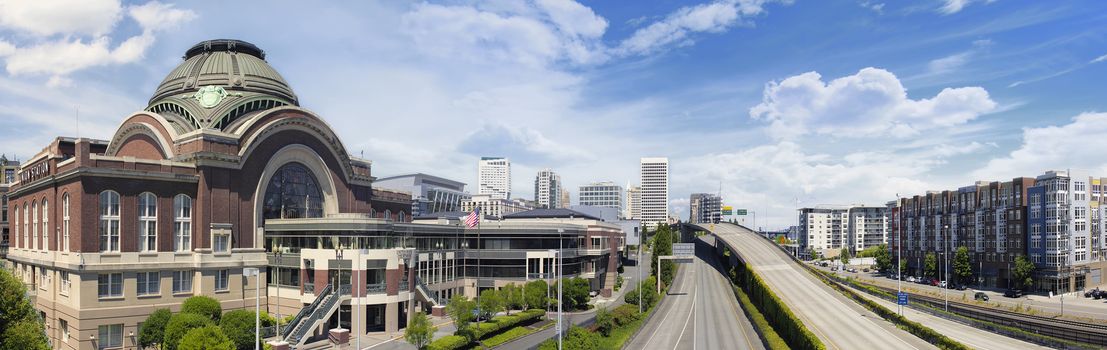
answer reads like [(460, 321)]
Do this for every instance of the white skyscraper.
[(654, 179), (633, 202), (494, 177), (547, 189)]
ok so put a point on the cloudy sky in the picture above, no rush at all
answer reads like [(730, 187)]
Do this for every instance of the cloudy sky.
[(779, 102)]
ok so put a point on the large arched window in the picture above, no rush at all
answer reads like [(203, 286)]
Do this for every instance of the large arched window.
[(45, 225), (26, 229), (182, 223), (293, 193), (147, 222), (18, 242), (34, 225), (109, 221), (65, 222)]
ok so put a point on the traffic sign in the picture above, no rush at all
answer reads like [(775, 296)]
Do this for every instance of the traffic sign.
[(902, 298), (681, 250), (727, 210), (740, 212)]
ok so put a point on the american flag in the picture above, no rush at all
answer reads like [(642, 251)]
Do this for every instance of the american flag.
[(473, 219)]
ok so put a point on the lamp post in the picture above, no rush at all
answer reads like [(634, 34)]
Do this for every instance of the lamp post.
[(560, 267), (277, 254), (945, 248), (899, 258), (338, 282)]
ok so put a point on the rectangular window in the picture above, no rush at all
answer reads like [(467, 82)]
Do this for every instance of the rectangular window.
[(221, 279), (110, 285), (64, 325), (221, 242), (182, 223), (182, 281), (149, 283), (147, 222), (64, 283), (65, 223), (111, 336)]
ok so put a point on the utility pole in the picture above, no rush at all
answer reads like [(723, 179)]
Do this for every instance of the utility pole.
[(899, 258)]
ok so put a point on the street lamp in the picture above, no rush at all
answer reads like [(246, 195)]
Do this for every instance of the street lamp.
[(945, 247), (338, 282), (899, 258), (277, 254), (560, 266)]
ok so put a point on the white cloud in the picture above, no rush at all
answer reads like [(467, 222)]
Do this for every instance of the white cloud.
[(49, 17), (89, 46), (521, 144), (155, 16), (954, 6), (677, 26), (1096, 60), (1078, 144), (874, 6), (949, 63), (870, 103)]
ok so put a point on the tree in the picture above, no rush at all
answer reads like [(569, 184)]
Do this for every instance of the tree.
[(962, 267), (902, 267), (930, 265), (576, 338), (873, 251), (460, 309), (811, 255), (153, 329), (419, 331), (647, 290), (844, 255), (238, 326), (663, 245), (536, 294), (605, 321), (883, 258), (18, 321), (1024, 272), (512, 296), (206, 338), (490, 303), (575, 293), (25, 334), (202, 305), (179, 325)]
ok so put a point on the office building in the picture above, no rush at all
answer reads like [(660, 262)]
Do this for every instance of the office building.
[(429, 194), (705, 208), (547, 189), (633, 203), (565, 198), (494, 207), (654, 180), (602, 194), (494, 177)]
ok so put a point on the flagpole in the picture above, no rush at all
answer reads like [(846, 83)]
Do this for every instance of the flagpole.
[(478, 265)]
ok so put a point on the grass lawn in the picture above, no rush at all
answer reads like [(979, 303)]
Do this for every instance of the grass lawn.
[(512, 334)]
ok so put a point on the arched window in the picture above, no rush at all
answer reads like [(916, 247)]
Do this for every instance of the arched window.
[(401, 219), (65, 222), (182, 223), (293, 193), (147, 222), (388, 214), (45, 225), (109, 221), (26, 229), (372, 213), (18, 241), (34, 225)]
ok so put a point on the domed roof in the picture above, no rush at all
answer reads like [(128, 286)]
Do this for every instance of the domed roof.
[(219, 82)]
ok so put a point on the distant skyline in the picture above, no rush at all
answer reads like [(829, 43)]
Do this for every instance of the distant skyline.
[(786, 103)]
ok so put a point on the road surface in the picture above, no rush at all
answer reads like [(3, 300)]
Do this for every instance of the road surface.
[(839, 322), (699, 313)]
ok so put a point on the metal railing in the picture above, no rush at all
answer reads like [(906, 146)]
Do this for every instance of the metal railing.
[(403, 284), (330, 301), (427, 293), (309, 288), (375, 288), (303, 312)]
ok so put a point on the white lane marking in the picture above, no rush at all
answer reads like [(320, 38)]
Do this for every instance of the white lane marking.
[(695, 292), (663, 319)]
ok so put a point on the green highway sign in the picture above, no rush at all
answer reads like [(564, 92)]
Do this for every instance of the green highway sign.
[(740, 212)]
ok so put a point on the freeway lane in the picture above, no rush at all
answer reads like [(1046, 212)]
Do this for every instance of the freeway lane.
[(839, 322), (699, 313)]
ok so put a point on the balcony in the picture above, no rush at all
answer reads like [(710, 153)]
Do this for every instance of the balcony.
[(375, 288)]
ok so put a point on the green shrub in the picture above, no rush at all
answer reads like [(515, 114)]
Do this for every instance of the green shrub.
[(605, 322), (625, 314), (204, 306), (768, 335), (449, 342), (153, 329), (576, 338), (206, 338), (500, 323), (25, 335), (238, 325), (648, 290), (179, 325)]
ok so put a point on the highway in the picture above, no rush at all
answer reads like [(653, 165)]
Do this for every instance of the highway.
[(699, 313), (839, 322)]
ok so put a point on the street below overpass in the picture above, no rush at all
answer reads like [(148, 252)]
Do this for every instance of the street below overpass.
[(700, 312), (839, 322)]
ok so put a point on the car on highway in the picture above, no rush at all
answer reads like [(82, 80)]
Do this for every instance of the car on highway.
[(980, 296), (1013, 293)]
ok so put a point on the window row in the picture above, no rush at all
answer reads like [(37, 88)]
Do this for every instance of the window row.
[(147, 222), (110, 285), (28, 227)]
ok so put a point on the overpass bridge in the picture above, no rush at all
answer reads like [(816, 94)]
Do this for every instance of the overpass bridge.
[(839, 322)]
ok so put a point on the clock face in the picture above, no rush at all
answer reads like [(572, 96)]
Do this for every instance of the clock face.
[(210, 96)]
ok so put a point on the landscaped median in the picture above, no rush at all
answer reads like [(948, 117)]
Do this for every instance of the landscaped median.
[(769, 337), (915, 328), (495, 326)]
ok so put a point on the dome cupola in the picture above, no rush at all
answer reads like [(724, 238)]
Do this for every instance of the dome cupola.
[(219, 82)]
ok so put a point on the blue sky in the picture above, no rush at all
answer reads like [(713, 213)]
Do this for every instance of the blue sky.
[(780, 102)]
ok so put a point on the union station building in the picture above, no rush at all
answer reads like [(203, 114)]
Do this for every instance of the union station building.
[(222, 173)]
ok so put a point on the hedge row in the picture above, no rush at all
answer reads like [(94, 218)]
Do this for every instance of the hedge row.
[(770, 338), (776, 312), (484, 329), (923, 332)]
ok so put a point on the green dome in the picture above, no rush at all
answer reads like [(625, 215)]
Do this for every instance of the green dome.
[(219, 82)]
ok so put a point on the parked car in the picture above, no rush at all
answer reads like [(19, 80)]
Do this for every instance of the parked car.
[(911, 279), (865, 269), (960, 287), (934, 282), (1091, 292), (1099, 294), (980, 296), (942, 284), (853, 270), (1013, 293)]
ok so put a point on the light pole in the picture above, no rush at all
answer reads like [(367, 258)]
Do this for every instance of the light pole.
[(354, 293), (899, 258), (560, 267), (945, 248), (278, 255), (338, 283), (638, 265)]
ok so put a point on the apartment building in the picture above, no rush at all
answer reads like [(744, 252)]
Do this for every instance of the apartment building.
[(705, 208), (634, 203), (547, 189), (827, 229), (492, 206)]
